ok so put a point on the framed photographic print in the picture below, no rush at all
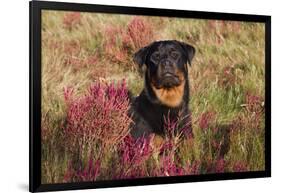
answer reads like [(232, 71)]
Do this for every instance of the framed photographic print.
[(125, 96)]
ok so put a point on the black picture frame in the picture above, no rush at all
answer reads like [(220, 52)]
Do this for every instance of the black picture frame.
[(35, 8)]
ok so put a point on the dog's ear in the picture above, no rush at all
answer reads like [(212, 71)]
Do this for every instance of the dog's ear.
[(140, 57), (189, 51)]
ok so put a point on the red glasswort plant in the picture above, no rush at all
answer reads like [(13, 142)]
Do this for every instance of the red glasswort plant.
[(99, 116), (133, 153), (206, 119), (121, 43), (240, 166), (90, 172), (71, 20), (254, 103), (179, 126), (168, 166), (139, 33)]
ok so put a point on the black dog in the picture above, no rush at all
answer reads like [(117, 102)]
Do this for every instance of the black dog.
[(166, 87)]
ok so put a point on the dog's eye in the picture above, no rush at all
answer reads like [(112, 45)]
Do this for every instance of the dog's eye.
[(156, 56), (174, 55)]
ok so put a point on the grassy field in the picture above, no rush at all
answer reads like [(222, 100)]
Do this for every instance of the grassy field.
[(85, 50)]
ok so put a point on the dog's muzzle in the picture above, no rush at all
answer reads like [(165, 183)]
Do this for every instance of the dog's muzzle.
[(169, 80)]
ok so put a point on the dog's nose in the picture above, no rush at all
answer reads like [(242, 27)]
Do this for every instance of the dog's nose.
[(167, 66), (167, 63)]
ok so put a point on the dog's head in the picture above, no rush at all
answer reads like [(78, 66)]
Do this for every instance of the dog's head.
[(165, 66), (165, 62)]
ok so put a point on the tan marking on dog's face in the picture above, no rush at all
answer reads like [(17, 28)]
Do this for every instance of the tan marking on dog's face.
[(171, 97)]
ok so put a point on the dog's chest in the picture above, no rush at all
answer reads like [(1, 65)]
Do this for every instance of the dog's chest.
[(156, 116)]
